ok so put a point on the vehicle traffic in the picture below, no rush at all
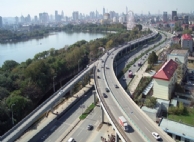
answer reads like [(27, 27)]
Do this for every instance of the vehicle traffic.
[(123, 123)]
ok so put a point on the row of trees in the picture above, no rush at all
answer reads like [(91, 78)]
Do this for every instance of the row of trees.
[(22, 86)]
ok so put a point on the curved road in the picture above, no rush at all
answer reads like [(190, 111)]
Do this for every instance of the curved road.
[(139, 120)]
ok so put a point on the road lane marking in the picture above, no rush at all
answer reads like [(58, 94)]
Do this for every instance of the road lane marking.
[(147, 129), (136, 117)]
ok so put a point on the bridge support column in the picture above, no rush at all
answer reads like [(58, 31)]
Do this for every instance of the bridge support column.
[(102, 115), (116, 137)]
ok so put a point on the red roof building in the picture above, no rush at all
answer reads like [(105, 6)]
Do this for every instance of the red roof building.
[(187, 37), (167, 70), (164, 80), (187, 42)]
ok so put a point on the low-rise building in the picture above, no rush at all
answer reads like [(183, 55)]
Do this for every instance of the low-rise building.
[(187, 42), (180, 57), (177, 131), (164, 80)]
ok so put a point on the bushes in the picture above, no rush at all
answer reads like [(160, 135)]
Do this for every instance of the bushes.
[(180, 110), (87, 111)]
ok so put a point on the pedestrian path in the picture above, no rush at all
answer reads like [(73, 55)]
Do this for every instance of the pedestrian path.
[(43, 122), (139, 74)]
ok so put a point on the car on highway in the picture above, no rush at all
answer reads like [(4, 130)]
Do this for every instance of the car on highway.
[(107, 90), (124, 79), (98, 70), (90, 127), (98, 77), (71, 140), (156, 135), (116, 86), (104, 95)]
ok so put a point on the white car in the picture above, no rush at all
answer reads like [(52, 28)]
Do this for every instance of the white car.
[(156, 135)]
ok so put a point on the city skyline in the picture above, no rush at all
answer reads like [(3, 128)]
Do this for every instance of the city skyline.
[(25, 7)]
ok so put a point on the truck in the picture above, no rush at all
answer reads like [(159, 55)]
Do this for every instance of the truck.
[(123, 123)]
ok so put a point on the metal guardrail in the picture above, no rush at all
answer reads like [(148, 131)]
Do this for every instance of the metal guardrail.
[(115, 122)]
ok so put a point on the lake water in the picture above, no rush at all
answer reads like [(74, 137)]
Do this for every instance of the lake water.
[(21, 51)]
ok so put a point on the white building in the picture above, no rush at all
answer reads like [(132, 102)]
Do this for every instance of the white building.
[(164, 80), (187, 42), (181, 57)]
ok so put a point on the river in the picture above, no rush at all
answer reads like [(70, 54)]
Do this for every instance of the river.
[(21, 51)]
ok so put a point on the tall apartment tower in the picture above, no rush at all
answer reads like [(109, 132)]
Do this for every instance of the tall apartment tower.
[(174, 14), (75, 15), (103, 10), (1, 22), (56, 16), (165, 17), (126, 9)]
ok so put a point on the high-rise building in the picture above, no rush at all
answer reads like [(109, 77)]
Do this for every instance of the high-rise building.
[(186, 19), (103, 10), (56, 16), (62, 14), (165, 17), (75, 15), (1, 22), (126, 10), (16, 20), (174, 14)]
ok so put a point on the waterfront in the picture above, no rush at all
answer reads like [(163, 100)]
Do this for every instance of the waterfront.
[(22, 51)]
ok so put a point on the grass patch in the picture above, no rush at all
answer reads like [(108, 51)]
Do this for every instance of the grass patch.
[(187, 119), (87, 111)]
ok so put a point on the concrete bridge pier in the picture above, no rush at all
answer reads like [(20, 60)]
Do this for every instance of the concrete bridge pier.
[(94, 94)]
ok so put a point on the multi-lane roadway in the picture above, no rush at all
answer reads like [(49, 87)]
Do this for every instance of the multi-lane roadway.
[(121, 104)]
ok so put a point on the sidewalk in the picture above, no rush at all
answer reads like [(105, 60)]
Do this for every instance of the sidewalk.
[(33, 130), (138, 75)]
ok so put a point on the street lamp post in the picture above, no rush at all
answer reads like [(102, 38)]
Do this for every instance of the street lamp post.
[(12, 113), (54, 84)]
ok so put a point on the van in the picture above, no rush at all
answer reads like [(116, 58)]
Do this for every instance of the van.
[(71, 140)]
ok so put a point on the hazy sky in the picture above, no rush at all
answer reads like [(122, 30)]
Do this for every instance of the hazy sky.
[(12, 8)]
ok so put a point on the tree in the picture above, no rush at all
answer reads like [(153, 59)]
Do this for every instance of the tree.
[(153, 58), (109, 44), (139, 26), (9, 65)]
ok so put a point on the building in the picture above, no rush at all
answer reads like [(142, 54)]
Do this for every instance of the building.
[(1, 22), (106, 16), (177, 131), (174, 15), (187, 42), (75, 15), (103, 12), (180, 57), (165, 18), (186, 19), (164, 80), (56, 16)]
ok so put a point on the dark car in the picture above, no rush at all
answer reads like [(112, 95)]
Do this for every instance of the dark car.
[(116, 86), (107, 90), (104, 95), (90, 127), (98, 77)]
